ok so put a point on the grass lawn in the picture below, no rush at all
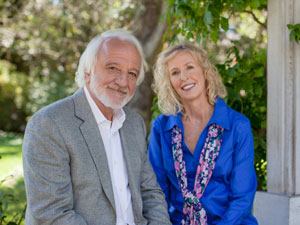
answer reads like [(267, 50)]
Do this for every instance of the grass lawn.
[(11, 152), (11, 176)]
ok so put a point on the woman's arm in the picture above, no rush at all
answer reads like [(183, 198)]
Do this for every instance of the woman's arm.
[(243, 179), (156, 159)]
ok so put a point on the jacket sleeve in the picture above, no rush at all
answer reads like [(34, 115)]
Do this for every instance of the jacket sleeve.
[(243, 179), (154, 204), (156, 159), (47, 178)]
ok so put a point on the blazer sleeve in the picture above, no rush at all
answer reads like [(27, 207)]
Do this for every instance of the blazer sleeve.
[(243, 178), (47, 178), (154, 204)]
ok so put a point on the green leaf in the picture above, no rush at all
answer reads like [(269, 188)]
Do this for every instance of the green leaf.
[(259, 72), (255, 4), (295, 32), (190, 35), (258, 91), (255, 141), (292, 35), (224, 23), (207, 17), (214, 36)]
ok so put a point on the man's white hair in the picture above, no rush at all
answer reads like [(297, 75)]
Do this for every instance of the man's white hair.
[(88, 58)]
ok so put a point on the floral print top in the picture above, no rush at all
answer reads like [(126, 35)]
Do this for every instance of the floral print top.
[(194, 213)]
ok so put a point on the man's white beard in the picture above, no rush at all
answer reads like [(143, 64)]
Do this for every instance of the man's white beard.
[(102, 96)]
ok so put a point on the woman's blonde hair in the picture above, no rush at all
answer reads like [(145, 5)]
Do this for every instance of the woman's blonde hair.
[(168, 100)]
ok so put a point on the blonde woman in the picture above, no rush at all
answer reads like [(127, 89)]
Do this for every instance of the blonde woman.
[(200, 149)]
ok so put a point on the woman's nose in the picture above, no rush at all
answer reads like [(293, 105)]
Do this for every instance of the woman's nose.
[(183, 75)]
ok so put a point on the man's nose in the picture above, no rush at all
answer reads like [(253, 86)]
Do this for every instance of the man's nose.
[(122, 79)]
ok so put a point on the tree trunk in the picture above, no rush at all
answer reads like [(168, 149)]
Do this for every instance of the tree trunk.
[(149, 29)]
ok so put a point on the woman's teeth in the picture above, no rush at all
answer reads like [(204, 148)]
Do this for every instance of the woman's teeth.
[(188, 86)]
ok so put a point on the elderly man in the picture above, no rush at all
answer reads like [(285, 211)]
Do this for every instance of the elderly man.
[(85, 157)]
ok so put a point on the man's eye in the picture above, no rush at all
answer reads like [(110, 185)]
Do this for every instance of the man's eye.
[(113, 68)]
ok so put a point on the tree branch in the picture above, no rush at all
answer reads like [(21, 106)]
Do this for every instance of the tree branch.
[(255, 18)]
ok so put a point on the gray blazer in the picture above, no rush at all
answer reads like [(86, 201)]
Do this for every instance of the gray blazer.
[(66, 171)]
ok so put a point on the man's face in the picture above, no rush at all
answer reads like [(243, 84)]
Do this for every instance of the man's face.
[(117, 68)]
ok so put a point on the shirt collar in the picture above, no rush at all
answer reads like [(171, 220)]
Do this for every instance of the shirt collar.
[(118, 117), (220, 117), (172, 121)]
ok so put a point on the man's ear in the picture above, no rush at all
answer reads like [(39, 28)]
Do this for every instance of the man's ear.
[(87, 77)]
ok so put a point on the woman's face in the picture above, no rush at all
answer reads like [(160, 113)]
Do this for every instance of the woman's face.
[(187, 77)]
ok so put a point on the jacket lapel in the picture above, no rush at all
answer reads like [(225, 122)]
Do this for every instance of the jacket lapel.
[(128, 140), (91, 134)]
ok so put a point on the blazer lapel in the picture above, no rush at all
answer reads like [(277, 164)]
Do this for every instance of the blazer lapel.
[(129, 145), (91, 134), (130, 156)]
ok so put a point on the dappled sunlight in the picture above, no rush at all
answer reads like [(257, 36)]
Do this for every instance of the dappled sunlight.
[(17, 201), (11, 176), (11, 156)]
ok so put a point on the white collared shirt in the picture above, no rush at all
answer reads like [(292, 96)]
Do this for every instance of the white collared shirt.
[(109, 131)]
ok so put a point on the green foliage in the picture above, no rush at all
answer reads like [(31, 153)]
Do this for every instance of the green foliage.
[(12, 205), (14, 88), (21, 95), (11, 152), (245, 79), (154, 109), (295, 32), (200, 19), (10, 8), (7, 200)]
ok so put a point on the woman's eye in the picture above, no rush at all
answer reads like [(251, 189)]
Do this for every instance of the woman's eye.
[(132, 74), (190, 67), (174, 73)]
